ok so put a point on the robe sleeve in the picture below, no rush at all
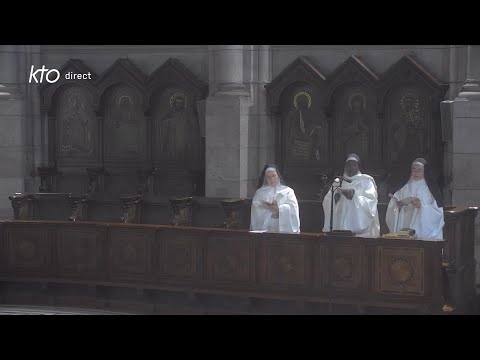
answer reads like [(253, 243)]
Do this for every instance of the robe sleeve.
[(364, 210), (289, 219), (327, 203), (392, 211), (258, 214), (430, 218)]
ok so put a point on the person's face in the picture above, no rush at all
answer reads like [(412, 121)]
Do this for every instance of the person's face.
[(417, 172), (271, 178), (351, 167), (178, 104), (302, 102)]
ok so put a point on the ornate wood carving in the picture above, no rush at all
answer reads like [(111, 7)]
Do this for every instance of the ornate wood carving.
[(409, 104), (130, 255), (96, 177), (104, 122), (28, 250), (287, 262), (23, 206), (79, 251), (69, 107), (132, 209), (181, 211), (125, 126), (79, 206), (388, 121), (177, 143), (179, 255), (297, 99), (400, 270), (48, 177), (225, 266), (346, 262), (145, 181), (352, 103), (232, 209), (230, 259)]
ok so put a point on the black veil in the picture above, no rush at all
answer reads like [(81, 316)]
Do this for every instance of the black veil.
[(262, 175), (430, 180)]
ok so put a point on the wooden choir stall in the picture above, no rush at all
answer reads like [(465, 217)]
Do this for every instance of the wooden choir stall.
[(120, 220)]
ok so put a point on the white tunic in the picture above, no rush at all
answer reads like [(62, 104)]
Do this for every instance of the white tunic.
[(427, 221), (261, 217), (359, 215)]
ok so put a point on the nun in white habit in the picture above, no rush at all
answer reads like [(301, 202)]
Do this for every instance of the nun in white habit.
[(274, 205), (418, 204), (355, 202)]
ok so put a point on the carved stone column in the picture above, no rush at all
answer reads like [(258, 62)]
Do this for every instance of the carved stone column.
[(229, 77), (465, 145), (232, 118), (233, 212), (181, 211)]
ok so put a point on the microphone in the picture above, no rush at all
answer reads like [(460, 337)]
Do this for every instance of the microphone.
[(340, 177)]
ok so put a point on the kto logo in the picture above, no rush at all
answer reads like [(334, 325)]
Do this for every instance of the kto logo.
[(51, 75)]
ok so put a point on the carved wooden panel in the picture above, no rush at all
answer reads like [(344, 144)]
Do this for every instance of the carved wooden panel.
[(130, 252), (28, 249), (304, 125), (409, 101), (230, 258), (356, 125), (353, 107), (320, 264), (79, 251), (297, 99), (76, 126), (400, 270), (287, 262), (346, 266), (180, 255), (408, 114), (124, 125), (176, 128)]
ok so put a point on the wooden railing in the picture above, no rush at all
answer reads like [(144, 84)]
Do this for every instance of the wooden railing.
[(170, 269)]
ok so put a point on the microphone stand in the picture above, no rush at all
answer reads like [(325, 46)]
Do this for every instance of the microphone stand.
[(336, 232)]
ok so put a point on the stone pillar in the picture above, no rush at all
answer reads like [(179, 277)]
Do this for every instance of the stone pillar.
[(266, 131), (466, 144), (12, 155), (235, 118), (229, 79)]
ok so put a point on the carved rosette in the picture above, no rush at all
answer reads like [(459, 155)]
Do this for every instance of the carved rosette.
[(343, 268), (181, 211), (401, 271), (232, 209)]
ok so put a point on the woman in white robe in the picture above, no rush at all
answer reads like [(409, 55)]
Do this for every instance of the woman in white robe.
[(418, 204), (274, 205), (355, 202)]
